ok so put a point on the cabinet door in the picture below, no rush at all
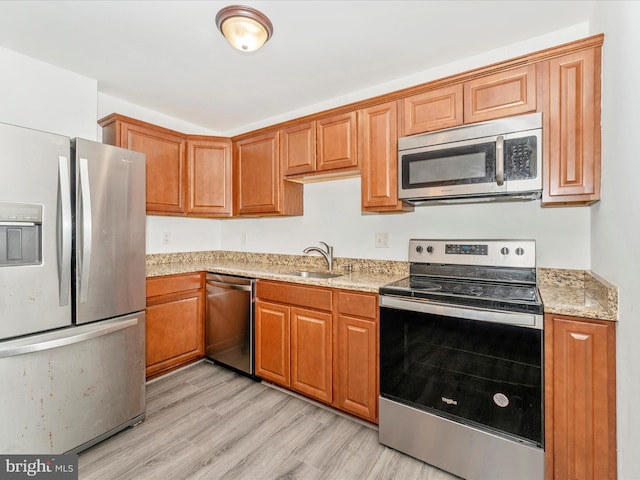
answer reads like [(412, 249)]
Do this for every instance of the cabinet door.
[(258, 174), (357, 366), (378, 151), (209, 176), (259, 186), (174, 331), (512, 92), (299, 149), (337, 142), (311, 353), (572, 129), (432, 110), (580, 418), (272, 342), (166, 172)]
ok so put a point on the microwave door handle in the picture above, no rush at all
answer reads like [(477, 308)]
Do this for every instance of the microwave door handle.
[(500, 160)]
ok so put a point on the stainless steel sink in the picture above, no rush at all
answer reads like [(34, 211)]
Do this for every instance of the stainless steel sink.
[(306, 274)]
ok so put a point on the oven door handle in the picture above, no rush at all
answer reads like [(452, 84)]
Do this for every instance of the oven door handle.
[(506, 318)]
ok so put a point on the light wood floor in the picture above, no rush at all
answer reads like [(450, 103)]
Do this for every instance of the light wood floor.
[(205, 422)]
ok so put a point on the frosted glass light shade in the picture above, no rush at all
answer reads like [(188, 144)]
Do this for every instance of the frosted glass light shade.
[(244, 28)]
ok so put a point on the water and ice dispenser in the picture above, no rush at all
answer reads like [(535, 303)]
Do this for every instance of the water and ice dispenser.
[(20, 234)]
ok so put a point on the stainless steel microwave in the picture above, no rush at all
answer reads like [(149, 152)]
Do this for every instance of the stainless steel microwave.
[(496, 160)]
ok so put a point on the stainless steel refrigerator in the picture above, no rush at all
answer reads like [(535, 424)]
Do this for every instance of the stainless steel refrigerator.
[(72, 291)]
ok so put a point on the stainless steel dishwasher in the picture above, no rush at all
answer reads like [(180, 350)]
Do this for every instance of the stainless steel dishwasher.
[(229, 323)]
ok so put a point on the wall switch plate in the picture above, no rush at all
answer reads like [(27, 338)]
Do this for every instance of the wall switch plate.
[(382, 240), (244, 239)]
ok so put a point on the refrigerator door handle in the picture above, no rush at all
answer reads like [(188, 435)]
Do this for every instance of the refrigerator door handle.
[(57, 339), (64, 242), (87, 229)]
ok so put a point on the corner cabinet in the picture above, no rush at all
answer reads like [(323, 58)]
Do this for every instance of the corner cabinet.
[(175, 322), (320, 342), (378, 151), (571, 171), (580, 398), (166, 160), (186, 174), (259, 188)]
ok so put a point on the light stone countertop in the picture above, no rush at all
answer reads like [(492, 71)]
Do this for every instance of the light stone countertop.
[(577, 293), (365, 275)]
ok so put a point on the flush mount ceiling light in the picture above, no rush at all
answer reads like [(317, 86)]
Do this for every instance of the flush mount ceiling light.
[(245, 28)]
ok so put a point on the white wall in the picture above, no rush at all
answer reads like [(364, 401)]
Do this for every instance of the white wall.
[(45, 97), (332, 214), (615, 230)]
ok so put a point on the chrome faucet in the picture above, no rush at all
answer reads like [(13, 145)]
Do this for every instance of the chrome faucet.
[(328, 255)]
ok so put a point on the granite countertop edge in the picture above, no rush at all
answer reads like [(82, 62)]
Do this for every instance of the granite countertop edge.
[(579, 293)]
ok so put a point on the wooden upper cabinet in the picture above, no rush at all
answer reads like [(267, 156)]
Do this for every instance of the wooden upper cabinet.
[(336, 142), (580, 398), (166, 160), (259, 186), (512, 92), (433, 110), (571, 171), (209, 179), (299, 149), (378, 151)]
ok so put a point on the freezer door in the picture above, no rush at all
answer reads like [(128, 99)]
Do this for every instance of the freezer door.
[(35, 231), (109, 258), (63, 391)]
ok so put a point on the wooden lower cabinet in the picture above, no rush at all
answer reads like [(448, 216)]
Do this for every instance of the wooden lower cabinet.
[(580, 399), (357, 354), (320, 342), (175, 322)]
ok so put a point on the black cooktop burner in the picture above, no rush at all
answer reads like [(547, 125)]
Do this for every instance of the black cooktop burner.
[(490, 295)]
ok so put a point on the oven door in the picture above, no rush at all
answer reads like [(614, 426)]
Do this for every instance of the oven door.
[(475, 367)]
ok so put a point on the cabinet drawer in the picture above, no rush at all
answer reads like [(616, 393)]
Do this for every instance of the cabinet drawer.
[(358, 304), (312, 297), (173, 284)]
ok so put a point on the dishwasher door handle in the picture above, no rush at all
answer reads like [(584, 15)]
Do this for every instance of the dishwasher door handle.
[(230, 286)]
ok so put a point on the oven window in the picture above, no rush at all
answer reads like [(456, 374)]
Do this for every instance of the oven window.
[(452, 166), (480, 373)]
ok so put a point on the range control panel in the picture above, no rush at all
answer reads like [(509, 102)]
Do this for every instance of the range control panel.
[(498, 253), (466, 249)]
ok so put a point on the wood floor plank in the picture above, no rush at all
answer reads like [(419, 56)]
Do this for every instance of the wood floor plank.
[(206, 422)]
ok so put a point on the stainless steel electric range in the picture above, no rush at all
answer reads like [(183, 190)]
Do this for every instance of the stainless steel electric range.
[(461, 359)]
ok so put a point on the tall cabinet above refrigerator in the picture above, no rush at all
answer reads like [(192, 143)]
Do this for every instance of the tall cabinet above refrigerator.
[(72, 291)]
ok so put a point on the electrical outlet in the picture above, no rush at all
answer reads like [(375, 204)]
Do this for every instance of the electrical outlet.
[(382, 240), (244, 239), (166, 238)]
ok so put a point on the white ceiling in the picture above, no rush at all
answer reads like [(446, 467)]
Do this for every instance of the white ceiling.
[(168, 55)]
